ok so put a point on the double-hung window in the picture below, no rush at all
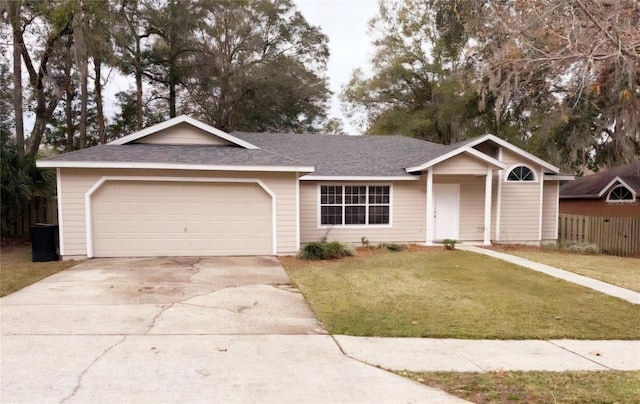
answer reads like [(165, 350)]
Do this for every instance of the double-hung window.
[(355, 205)]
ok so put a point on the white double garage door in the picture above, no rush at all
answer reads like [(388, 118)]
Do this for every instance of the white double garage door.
[(150, 219)]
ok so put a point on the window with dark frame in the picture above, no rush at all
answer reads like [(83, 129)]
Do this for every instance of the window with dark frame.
[(354, 205), (620, 194), (521, 173)]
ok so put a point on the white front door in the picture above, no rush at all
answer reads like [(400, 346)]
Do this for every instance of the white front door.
[(446, 211)]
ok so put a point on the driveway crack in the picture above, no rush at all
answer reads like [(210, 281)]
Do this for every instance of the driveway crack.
[(194, 267), (155, 318), (153, 322), (79, 383)]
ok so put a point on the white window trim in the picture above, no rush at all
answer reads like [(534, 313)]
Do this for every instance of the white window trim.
[(102, 180), (536, 176), (631, 201), (353, 226)]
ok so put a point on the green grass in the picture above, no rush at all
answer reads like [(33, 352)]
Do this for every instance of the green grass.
[(17, 271), (455, 294), (620, 271), (536, 387)]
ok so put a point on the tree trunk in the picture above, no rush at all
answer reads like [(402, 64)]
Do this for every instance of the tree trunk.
[(82, 61), (68, 115), (173, 71), (43, 115), (68, 100), (138, 72), (14, 17), (37, 79), (102, 131), (172, 91)]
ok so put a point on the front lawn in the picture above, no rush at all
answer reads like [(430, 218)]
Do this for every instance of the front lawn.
[(455, 294), (536, 387), (17, 271), (619, 271)]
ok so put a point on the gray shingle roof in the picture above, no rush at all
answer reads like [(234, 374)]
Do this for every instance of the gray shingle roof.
[(178, 154), (591, 185), (376, 156), (343, 156)]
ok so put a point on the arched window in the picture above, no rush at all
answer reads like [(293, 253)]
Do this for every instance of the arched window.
[(620, 194), (521, 173)]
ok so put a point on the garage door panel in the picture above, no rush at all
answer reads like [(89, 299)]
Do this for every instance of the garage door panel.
[(133, 218)]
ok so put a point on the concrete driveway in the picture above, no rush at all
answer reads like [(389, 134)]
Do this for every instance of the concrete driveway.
[(180, 330)]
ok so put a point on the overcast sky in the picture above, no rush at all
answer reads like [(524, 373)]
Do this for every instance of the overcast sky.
[(345, 22)]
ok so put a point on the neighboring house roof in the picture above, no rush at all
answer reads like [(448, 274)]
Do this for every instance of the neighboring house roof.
[(191, 157), (596, 185)]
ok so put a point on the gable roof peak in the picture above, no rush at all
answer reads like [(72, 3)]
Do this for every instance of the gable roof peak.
[(180, 120), (503, 143)]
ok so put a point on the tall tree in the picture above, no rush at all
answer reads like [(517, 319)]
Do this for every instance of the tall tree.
[(172, 25), (54, 22), (260, 66), (417, 87), (583, 57), (13, 13), (131, 30)]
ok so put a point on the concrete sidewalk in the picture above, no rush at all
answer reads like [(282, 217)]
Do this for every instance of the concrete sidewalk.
[(602, 287), (431, 355)]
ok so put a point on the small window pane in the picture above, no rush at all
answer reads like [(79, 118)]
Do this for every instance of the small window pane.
[(379, 215), (355, 195), (521, 173), (331, 215), (355, 215), (379, 195), (330, 195)]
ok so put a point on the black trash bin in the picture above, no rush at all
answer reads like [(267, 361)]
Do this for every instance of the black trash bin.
[(44, 246)]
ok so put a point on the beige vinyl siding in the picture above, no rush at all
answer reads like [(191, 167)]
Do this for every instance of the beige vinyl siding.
[(471, 222), (520, 216), (520, 212), (408, 211), (461, 164), (76, 182), (549, 210), (182, 134)]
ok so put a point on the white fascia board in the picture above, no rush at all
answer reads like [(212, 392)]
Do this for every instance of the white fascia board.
[(554, 177), (455, 152), (169, 166), (612, 183), (312, 177), (514, 149), (183, 119)]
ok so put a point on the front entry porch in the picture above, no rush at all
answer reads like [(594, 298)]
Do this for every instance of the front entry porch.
[(460, 207)]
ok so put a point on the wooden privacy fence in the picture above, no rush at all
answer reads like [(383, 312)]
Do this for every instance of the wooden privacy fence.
[(40, 210), (613, 235)]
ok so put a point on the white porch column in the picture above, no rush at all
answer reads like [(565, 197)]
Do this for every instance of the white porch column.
[(541, 176), (429, 220), (499, 198), (487, 208)]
